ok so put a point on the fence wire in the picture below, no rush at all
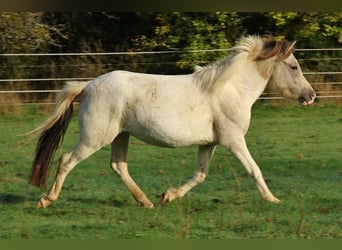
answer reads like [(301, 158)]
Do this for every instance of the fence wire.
[(328, 84)]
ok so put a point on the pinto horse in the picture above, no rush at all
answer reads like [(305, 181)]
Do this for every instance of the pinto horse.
[(209, 107)]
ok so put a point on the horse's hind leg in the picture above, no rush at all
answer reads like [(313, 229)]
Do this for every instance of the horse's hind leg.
[(204, 156), (119, 166), (66, 163)]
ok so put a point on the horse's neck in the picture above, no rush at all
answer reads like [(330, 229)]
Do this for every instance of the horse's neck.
[(247, 86), (252, 88)]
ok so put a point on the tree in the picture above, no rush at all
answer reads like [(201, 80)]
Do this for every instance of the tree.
[(24, 32), (192, 31)]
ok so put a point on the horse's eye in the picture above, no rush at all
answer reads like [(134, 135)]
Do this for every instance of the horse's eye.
[(294, 67)]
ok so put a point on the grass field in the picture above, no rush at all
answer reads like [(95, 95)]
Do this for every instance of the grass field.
[(298, 149)]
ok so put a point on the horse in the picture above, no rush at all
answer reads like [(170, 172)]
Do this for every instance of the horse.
[(209, 107)]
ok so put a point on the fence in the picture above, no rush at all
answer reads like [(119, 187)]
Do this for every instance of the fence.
[(328, 84)]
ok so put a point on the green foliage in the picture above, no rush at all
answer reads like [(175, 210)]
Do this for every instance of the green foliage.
[(193, 31), (51, 32), (175, 31)]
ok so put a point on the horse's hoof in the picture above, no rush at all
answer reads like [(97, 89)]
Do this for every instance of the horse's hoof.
[(40, 204), (150, 205), (146, 204), (168, 196), (275, 200), (272, 199), (44, 202), (164, 198)]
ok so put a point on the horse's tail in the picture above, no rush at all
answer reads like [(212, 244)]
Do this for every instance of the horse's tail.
[(51, 133)]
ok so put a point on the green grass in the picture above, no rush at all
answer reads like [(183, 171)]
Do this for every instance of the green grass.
[(298, 149)]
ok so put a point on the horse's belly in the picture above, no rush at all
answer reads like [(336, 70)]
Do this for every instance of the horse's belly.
[(169, 140)]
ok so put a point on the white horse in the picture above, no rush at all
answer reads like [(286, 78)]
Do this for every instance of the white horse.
[(209, 107)]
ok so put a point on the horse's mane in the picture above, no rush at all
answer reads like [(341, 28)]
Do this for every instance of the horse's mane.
[(248, 48)]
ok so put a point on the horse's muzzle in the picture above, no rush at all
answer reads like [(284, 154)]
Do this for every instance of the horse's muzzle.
[(307, 99)]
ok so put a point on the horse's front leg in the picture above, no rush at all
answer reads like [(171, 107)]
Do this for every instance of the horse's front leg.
[(239, 148), (120, 167), (204, 156)]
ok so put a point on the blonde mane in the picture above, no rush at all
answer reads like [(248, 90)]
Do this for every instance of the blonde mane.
[(248, 48)]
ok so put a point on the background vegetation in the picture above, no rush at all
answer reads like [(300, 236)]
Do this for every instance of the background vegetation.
[(69, 32)]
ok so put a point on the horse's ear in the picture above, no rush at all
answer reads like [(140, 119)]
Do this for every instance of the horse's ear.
[(270, 49), (286, 50)]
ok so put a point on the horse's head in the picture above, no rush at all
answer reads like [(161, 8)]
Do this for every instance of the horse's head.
[(287, 75)]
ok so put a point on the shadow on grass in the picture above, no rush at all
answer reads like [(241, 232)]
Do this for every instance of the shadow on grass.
[(11, 198), (97, 202), (8, 199)]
